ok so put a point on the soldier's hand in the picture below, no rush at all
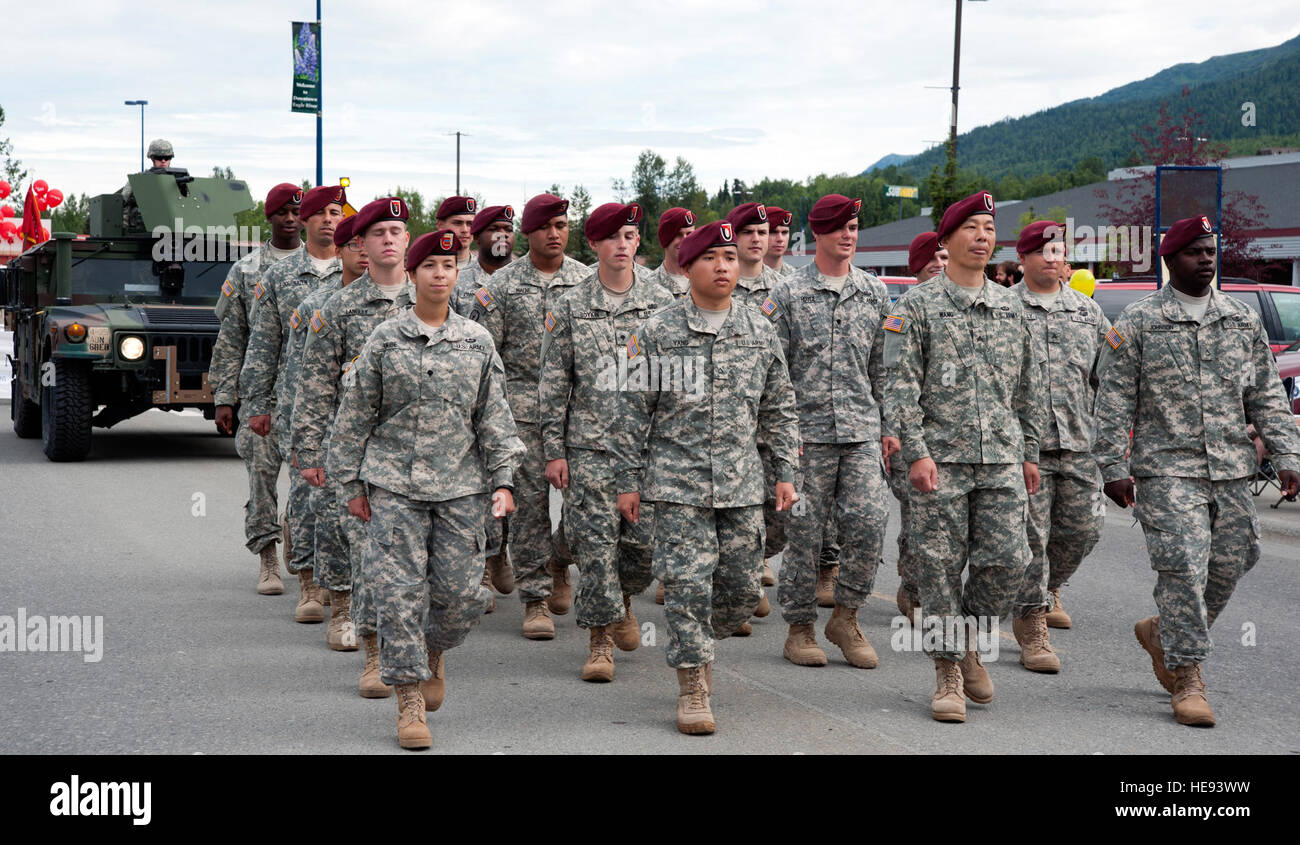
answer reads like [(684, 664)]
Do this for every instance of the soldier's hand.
[(1031, 477), (785, 495), (629, 505), (360, 508), (924, 475), (315, 476), (225, 419), (1121, 492), (260, 424), (557, 473), (503, 503), (889, 446), (1290, 481)]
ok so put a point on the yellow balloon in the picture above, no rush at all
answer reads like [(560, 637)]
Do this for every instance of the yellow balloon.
[(1084, 282)]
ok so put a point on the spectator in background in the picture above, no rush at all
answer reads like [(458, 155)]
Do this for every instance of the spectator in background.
[(1005, 274)]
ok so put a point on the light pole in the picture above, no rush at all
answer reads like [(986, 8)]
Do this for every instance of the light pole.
[(141, 104), (458, 137)]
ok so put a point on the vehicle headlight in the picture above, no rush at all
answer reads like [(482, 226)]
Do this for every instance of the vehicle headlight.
[(131, 348)]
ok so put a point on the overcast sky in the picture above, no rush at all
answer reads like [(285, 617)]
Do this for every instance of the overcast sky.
[(566, 91)]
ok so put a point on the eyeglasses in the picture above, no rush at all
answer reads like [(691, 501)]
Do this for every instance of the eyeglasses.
[(162, 158), (355, 245)]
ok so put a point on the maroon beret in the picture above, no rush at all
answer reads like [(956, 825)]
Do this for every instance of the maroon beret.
[(280, 196), (607, 219), (747, 214), (456, 205), (672, 221), (490, 215), (923, 248), (384, 208), (316, 199), (1184, 232), (832, 212), (441, 242), (980, 202), (1037, 235), (718, 233), (777, 216), (346, 231), (541, 209)]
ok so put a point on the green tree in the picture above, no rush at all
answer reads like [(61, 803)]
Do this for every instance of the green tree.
[(11, 169), (72, 215), (421, 218), (579, 211)]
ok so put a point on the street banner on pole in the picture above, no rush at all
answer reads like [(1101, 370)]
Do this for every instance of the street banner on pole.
[(306, 67)]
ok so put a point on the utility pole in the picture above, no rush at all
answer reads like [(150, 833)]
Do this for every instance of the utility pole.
[(956, 66), (320, 107), (458, 134)]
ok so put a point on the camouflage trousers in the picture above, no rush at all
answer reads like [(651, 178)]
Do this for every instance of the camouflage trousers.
[(1065, 518), (302, 519), (340, 554), (262, 510), (424, 562), (710, 561), (839, 484), (977, 516), (1202, 536), (612, 554), (901, 487), (532, 543), (774, 523)]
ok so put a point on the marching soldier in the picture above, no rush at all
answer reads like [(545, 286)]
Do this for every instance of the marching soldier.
[(968, 396), (581, 373), (512, 305), (778, 240), (692, 450), (261, 455), (424, 425), (457, 214), (674, 225), (1186, 369), (827, 316), (338, 331), (493, 230), (263, 382), (1065, 516)]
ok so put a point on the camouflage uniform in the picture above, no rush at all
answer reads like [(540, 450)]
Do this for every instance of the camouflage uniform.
[(969, 396), (694, 454), (337, 332), (268, 388), (584, 347), (467, 282), (833, 347), (664, 279), (261, 454), (424, 423), (512, 305), (1187, 390)]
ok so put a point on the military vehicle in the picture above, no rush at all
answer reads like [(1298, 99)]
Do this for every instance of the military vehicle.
[(114, 323)]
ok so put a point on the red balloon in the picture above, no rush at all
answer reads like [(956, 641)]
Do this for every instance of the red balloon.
[(40, 186), (7, 230), (53, 197), (40, 204), (5, 189), (6, 211)]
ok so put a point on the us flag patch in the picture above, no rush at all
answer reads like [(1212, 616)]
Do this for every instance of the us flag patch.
[(1114, 338), (769, 307), (893, 323), (258, 290), (633, 348), (317, 322), (227, 288), (294, 319), (550, 321), (484, 298)]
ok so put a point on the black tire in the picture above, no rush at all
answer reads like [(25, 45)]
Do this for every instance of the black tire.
[(65, 422), (25, 413)]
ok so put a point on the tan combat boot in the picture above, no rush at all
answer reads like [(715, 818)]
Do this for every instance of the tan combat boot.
[(434, 690), (268, 577), (371, 685), (309, 607), (693, 713), (744, 630), (659, 593), (537, 621), (801, 647), (1190, 704), (561, 587), (906, 606), (487, 585), (412, 729), (843, 630), (826, 586), (948, 704), (764, 606), (1036, 652), (976, 682), (600, 663), (499, 571), (1148, 636), (342, 633), (626, 634), (769, 577), (1057, 617)]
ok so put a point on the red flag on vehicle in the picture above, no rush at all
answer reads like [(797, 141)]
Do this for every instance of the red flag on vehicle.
[(33, 232)]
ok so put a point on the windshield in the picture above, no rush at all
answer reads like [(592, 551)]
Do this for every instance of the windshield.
[(114, 279)]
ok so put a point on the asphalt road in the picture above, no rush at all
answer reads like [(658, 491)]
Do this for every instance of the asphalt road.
[(194, 661)]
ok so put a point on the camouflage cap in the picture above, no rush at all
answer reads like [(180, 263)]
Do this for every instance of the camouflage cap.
[(160, 148)]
